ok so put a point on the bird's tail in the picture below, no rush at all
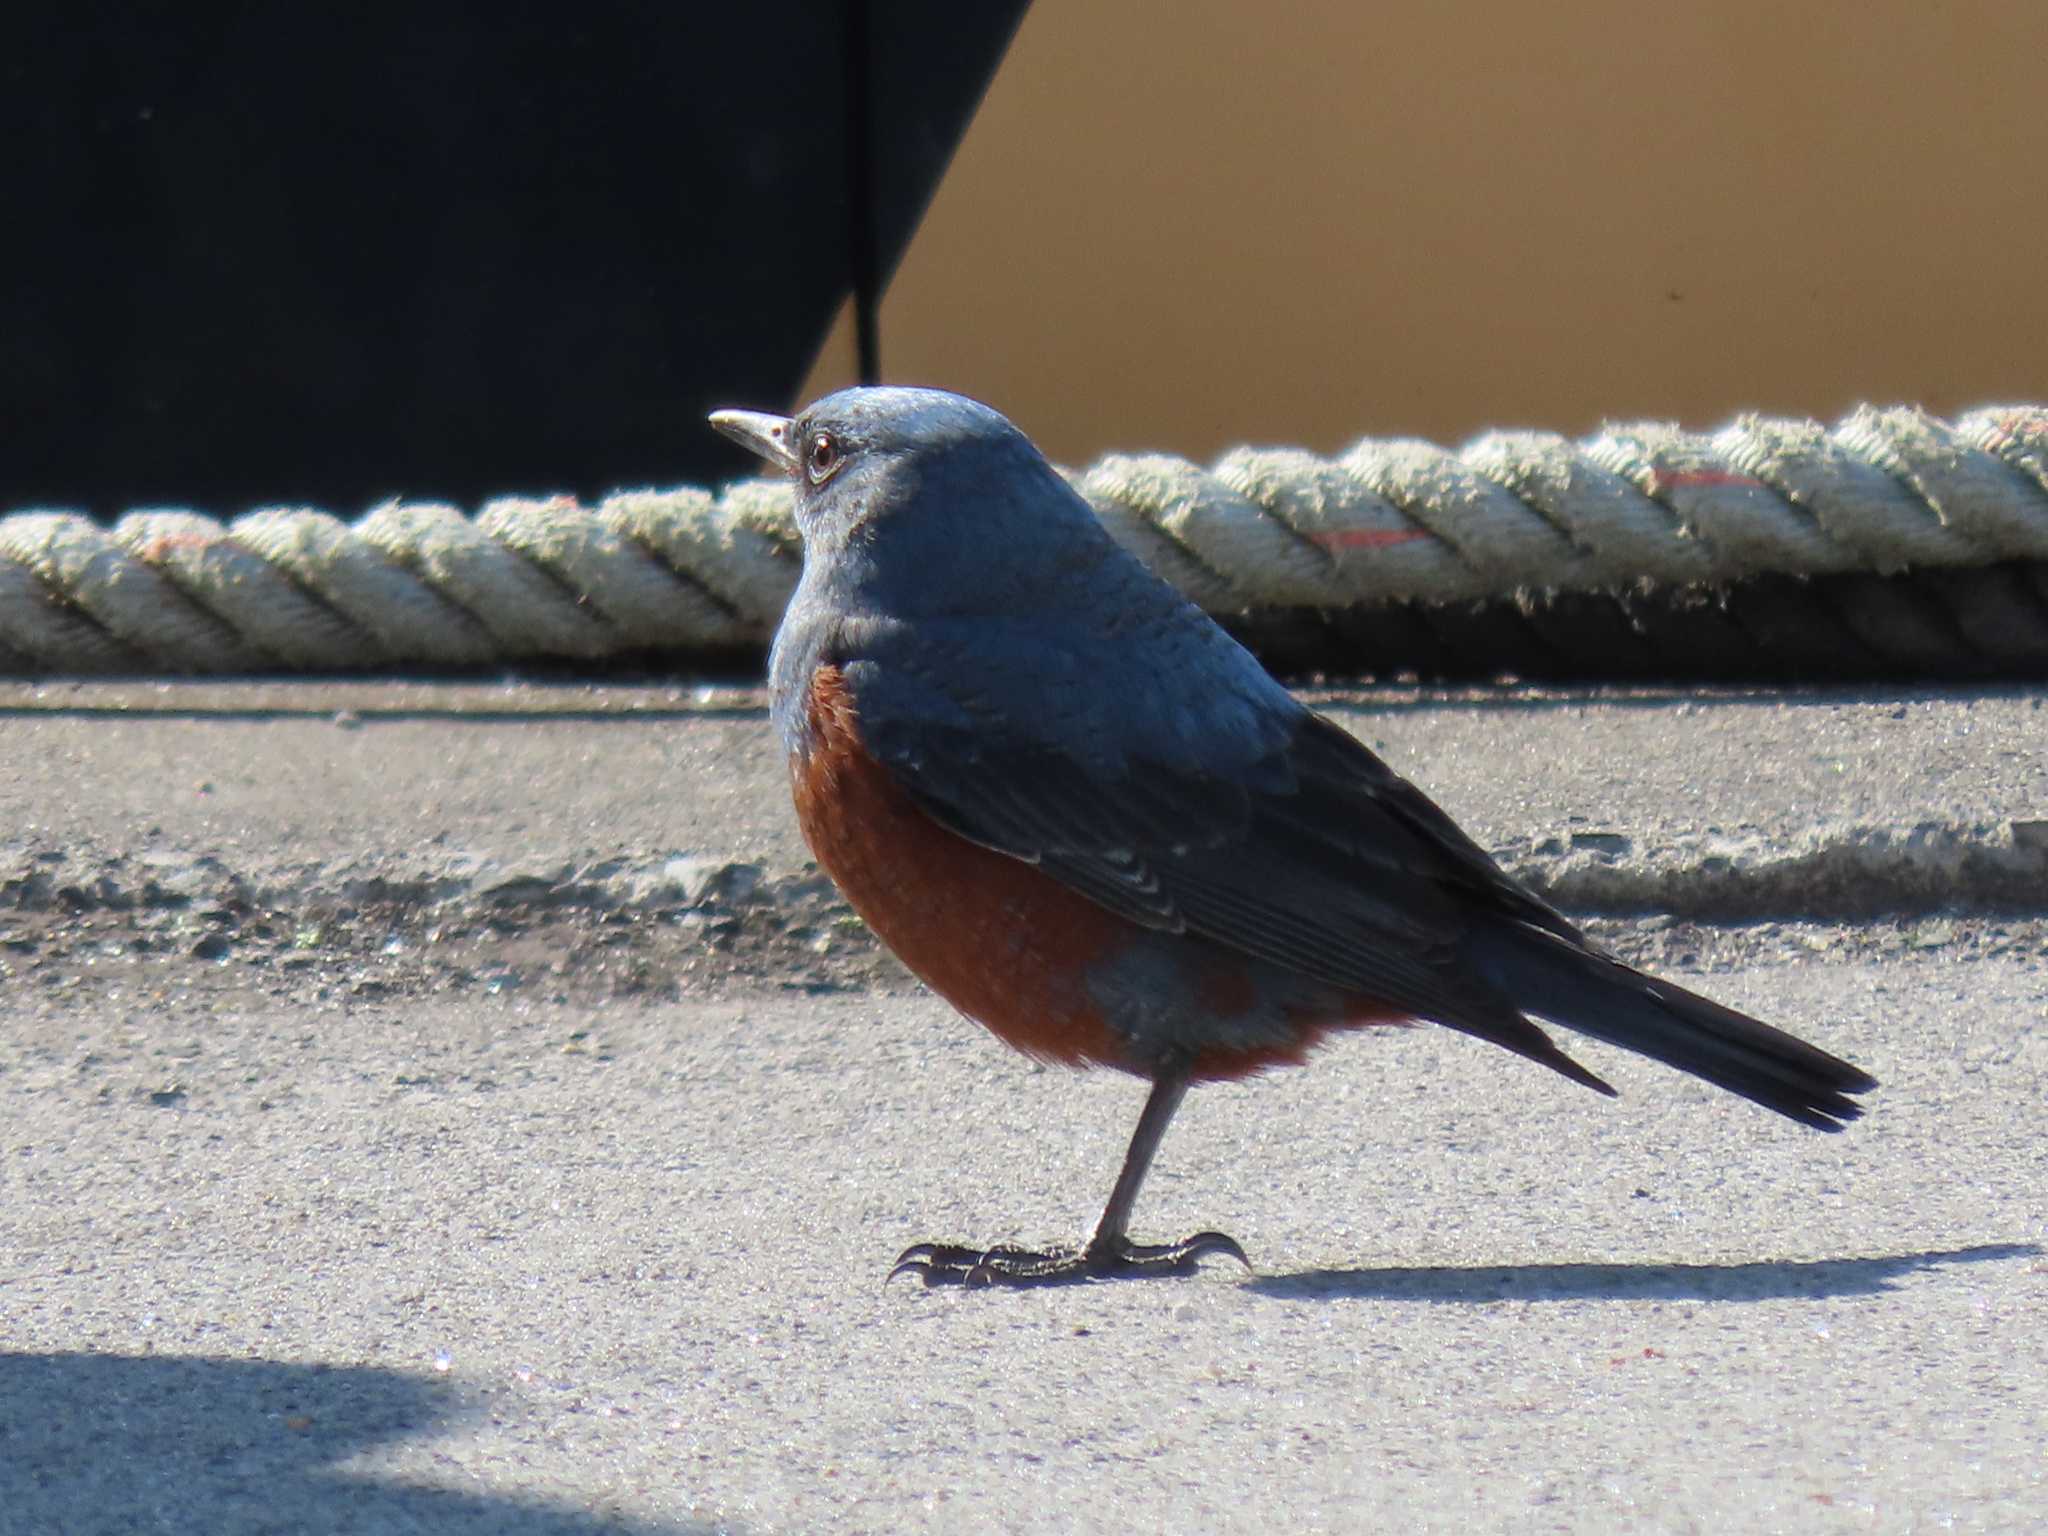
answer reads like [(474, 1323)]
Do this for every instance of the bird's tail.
[(1554, 979)]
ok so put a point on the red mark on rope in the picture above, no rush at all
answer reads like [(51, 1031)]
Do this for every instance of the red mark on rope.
[(164, 545), (1662, 480), (2013, 425), (1366, 538)]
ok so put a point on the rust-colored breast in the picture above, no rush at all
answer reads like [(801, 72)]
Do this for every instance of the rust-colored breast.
[(1007, 945)]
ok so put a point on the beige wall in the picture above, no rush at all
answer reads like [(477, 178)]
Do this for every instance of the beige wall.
[(1188, 225)]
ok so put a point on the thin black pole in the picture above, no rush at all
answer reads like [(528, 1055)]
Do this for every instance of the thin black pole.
[(860, 190)]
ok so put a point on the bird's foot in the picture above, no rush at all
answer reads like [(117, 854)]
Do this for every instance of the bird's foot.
[(1114, 1259)]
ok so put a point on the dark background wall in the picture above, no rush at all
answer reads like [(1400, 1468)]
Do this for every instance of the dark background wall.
[(328, 254)]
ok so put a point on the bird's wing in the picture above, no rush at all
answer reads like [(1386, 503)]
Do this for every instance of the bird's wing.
[(1274, 833)]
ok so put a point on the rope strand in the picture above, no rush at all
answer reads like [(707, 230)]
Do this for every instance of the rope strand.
[(1523, 518)]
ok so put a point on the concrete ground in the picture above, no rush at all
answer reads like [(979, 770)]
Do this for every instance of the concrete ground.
[(459, 1109)]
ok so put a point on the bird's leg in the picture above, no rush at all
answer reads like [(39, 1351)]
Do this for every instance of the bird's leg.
[(1110, 1253)]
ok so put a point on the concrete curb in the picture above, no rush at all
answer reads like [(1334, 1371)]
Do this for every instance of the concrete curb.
[(1827, 873)]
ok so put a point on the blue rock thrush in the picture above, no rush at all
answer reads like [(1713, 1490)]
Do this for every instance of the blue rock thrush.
[(1090, 820)]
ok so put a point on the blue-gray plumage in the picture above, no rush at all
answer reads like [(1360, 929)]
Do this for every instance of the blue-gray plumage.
[(982, 694)]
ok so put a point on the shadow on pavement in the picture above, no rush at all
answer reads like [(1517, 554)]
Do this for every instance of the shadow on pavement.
[(1768, 1281), (94, 1442)]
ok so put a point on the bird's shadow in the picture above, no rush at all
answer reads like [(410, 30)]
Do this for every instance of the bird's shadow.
[(97, 1442), (1766, 1280)]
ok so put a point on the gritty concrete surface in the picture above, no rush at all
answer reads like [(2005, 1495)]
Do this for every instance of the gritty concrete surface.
[(273, 771), (508, 1210)]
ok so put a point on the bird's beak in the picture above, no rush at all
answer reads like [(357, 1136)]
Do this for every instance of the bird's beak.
[(758, 432)]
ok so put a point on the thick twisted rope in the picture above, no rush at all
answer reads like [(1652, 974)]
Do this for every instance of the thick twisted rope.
[(1631, 509)]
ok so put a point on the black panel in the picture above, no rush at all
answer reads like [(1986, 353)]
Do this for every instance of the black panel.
[(329, 254)]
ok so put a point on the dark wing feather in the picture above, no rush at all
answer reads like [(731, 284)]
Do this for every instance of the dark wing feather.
[(1342, 870), (1336, 867)]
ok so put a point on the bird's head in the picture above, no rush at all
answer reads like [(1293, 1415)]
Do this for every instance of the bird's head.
[(904, 477)]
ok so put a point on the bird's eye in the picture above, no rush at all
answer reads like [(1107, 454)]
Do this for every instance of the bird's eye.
[(822, 458)]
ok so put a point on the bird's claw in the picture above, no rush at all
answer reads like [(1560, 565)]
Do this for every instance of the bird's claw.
[(1116, 1259)]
